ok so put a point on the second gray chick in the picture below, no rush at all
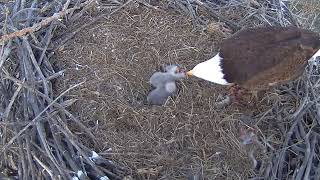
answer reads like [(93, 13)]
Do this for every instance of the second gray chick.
[(165, 84)]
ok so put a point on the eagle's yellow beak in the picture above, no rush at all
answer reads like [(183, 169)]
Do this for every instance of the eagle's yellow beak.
[(189, 73)]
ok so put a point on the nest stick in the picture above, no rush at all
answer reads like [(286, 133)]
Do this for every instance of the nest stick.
[(37, 117), (54, 103), (44, 166), (306, 158), (297, 118), (41, 24), (29, 157), (310, 160), (8, 109)]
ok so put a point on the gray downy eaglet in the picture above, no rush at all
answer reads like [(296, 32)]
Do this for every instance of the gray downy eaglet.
[(165, 84)]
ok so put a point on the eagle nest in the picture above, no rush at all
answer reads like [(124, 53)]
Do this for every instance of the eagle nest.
[(42, 138)]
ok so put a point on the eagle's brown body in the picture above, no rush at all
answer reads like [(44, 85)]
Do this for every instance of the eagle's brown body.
[(261, 57)]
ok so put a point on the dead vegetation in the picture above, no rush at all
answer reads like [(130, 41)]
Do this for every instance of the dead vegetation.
[(154, 142), (111, 50), (36, 141)]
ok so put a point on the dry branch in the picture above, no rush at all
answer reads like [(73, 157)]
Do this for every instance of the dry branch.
[(37, 141), (43, 23), (34, 122)]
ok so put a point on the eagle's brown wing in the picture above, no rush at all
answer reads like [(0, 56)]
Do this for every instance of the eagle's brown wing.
[(257, 57)]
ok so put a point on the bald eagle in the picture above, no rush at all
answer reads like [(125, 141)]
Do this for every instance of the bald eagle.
[(259, 58)]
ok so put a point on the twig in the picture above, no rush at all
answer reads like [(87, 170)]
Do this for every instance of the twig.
[(306, 159), (37, 117), (44, 166), (310, 162), (15, 95), (297, 118), (43, 23), (61, 107)]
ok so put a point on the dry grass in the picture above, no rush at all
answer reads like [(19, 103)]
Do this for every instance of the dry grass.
[(36, 142), (188, 135), (307, 13)]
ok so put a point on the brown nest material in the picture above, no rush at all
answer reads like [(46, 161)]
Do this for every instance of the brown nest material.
[(288, 132), (290, 129), (36, 140), (52, 129)]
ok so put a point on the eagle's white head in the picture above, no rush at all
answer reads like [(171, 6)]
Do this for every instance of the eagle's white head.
[(210, 70)]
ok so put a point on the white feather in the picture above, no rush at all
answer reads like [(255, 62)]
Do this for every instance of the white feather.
[(210, 70), (316, 54), (314, 60)]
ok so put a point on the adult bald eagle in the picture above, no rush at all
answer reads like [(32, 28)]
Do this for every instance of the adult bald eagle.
[(259, 58)]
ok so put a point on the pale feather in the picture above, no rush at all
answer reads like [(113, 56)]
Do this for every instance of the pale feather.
[(211, 70)]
